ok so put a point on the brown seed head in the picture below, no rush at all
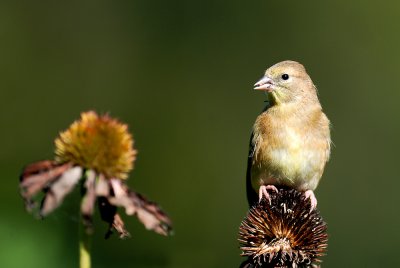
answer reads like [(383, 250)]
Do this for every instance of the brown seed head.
[(284, 233)]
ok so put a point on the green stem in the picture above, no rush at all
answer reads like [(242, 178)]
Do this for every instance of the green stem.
[(84, 247), (85, 241)]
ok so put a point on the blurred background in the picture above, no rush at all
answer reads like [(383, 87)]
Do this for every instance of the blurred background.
[(180, 73)]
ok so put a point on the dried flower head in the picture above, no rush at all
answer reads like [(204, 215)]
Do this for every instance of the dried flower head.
[(284, 233), (97, 151), (100, 143)]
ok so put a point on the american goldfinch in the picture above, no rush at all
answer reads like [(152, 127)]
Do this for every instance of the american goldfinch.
[(290, 143)]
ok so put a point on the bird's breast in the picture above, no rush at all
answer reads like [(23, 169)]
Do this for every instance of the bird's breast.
[(288, 152)]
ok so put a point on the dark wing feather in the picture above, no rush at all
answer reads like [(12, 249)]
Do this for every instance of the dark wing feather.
[(252, 195)]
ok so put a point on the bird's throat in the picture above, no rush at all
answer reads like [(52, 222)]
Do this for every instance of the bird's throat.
[(273, 98)]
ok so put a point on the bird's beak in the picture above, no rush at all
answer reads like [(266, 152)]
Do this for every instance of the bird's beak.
[(264, 83)]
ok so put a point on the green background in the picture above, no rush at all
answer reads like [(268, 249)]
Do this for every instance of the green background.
[(180, 73)]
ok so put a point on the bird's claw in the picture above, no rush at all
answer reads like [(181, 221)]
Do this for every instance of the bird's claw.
[(310, 195), (263, 192)]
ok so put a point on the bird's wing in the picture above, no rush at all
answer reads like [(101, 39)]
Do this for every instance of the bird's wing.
[(252, 195)]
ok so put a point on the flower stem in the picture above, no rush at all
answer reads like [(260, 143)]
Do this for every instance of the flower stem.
[(84, 247)]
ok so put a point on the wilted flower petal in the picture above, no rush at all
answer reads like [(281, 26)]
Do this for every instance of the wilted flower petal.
[(89, 199), (102, 186), (38, 175), (109, 214), (149, 213), (59, 189)]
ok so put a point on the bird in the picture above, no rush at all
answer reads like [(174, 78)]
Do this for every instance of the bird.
[(290, 142)]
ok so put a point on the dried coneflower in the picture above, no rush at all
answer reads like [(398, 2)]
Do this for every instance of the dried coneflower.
[(283, 233), (98, 152)]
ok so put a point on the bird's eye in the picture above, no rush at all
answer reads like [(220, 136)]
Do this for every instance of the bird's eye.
[(285, 76)]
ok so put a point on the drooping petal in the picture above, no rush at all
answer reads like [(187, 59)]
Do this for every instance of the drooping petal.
[(59, 189), (102, 186), (88, 200), (109, 214), (120, 197), (119, 225), (148, 212), (151, 215), (37, 175)]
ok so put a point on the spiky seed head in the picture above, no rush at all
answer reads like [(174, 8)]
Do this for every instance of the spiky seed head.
[(97, 142), (284, 233)]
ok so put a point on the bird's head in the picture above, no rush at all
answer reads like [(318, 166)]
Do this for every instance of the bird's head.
[(286, 82)]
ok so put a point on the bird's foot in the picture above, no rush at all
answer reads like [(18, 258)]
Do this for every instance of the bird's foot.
[(310, 194), (263, 192)]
